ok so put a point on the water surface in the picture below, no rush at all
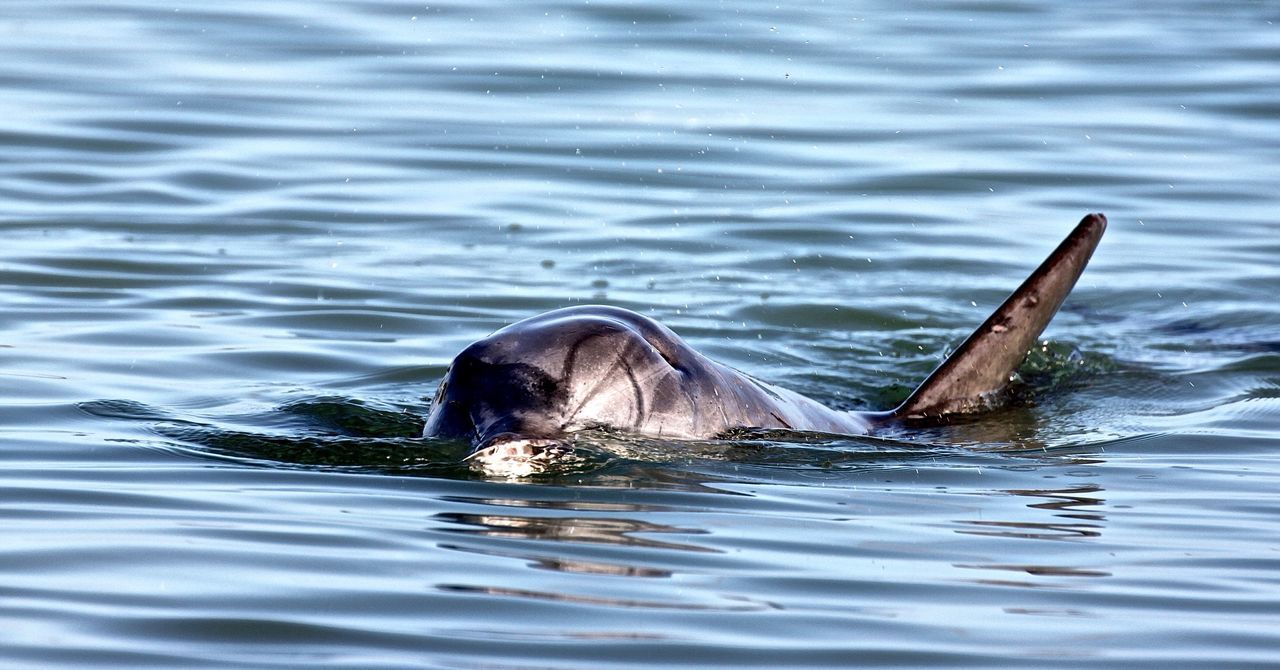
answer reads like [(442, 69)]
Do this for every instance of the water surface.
[(242, 243)]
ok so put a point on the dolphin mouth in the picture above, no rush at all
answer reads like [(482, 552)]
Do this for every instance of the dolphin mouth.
[(512, 455)]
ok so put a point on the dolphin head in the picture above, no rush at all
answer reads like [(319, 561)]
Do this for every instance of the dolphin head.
[(489, 395), (520, 391)]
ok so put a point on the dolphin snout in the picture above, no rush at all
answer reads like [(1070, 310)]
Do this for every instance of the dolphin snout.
[(514, 455)]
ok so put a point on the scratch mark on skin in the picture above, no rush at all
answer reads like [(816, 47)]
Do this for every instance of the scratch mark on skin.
[(602, 380), (637, 407), (571, 357), (693, 405), (566, 371)]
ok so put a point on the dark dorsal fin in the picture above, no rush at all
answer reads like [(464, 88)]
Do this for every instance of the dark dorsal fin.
[(966, 380)]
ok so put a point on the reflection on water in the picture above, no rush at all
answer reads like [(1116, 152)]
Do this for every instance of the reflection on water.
[(1069, 503), (570, 505), (1037, 570), (1073, 503), (610, 530), (600, 601), (562, 563), (1066, 503)]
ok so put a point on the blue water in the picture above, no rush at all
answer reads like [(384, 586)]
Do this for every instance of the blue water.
[(242, 242)]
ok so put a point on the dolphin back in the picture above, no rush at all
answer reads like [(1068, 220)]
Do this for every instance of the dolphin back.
[(980, 368)]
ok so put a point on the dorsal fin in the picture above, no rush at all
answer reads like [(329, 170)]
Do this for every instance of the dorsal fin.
[(980, 367)]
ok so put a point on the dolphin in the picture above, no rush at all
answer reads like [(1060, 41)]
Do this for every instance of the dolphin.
[(518, 393)]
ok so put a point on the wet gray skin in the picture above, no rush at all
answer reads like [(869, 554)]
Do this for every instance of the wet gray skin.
[(517, 392)]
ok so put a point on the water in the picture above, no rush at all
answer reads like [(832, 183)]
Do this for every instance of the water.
[(242, 243)]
